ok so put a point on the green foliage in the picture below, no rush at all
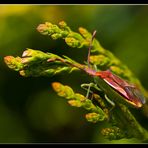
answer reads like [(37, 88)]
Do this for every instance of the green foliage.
[(35, 63)]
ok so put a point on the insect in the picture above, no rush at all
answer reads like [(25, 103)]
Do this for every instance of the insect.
[(114, 86)]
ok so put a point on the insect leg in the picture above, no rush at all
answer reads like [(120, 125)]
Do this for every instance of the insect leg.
[(90, 85), (87, 88), (109, 101), (109, 110)]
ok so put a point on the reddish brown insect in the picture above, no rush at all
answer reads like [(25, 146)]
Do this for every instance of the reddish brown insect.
[(114, 86), (130, 92)]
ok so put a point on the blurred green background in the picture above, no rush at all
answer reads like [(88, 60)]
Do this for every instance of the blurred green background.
[(30, 111)]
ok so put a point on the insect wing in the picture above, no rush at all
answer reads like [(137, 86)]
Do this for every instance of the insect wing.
[(131, 93), (116, 86), (135, 94)]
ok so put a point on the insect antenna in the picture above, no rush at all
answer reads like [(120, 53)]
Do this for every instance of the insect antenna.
[(90, 47)]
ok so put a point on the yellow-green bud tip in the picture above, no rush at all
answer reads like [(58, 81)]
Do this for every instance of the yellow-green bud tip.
[(43, 28), (56, 86), (62, 24), (72, 42), (75, 103), (8, 59), (82, 30), (92, 117), (27, 52), (22, 73)]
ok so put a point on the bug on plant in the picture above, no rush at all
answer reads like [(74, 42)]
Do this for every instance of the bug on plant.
[(115, 87)]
